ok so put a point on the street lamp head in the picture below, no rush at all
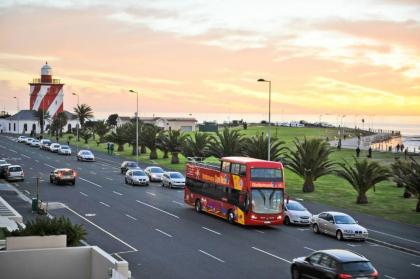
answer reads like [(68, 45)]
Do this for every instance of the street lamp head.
[(75, 94), (132, 91), (261, 80)]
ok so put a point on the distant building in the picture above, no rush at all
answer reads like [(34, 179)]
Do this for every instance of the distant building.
[(185, 124)]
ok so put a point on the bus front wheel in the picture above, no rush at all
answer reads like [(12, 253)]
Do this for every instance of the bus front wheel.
[(230, 217), (198, 206)]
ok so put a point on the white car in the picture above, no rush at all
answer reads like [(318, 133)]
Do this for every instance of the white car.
[(136, 177), (35, 143), (29, 140), (21, 139), (154, 173), (14, 172), (296, 213), (45, 144), (173, 179), (64, 150), (85, 155), (54, 147)]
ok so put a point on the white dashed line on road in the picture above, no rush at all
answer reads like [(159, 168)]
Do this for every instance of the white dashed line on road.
[(117, 193), (93, 183), (14, 151), (272, 255), (179, 203), (210, 230), (416, 265), (83, 194), (158, 209), (391, 235), (107, 205), (108, 178), (162, 232), (37, 161), (310, 249), (150, 193), (211, 256), (259, 231), (90, 214), (25, 156), (49, 166), (27, 192), (131, 217), (92, 172), (389, 277)]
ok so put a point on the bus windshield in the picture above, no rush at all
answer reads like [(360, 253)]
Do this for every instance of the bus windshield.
[(270, 175), (267, 201)]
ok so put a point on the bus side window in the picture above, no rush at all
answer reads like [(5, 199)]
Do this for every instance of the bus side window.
[(226, 167), (242, 170)]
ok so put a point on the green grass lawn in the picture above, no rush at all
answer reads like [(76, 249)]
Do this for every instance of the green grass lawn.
[(386, 202)]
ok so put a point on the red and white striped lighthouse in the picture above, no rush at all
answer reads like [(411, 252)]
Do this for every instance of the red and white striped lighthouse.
[(46, 93)]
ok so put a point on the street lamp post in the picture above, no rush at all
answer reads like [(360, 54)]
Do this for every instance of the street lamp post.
[(269, 115), (17, 100), (77, 125), (137, 125)]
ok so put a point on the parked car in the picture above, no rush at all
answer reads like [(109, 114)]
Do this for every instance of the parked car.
[(21, 139), (154, 173), (54, 147), (3, 169), (34, 143), (62, 176), (45, 144), (296, 213), (173, 179), (64, 150), (338, 224), (333, 264), (136, 177), (14, 172), (2, 162), (29, 140), (126, 165), (85, 155)]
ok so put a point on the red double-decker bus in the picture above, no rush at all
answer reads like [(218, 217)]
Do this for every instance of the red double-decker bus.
[(241, 189)]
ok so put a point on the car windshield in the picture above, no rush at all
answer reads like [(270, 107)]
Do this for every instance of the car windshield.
[(55, 145), (14, 169), (295, 206), (344, 219), (267, 201), (274, 175), (64, 147), (46, 141), (138, 173), (86, 153), (357, 267), (156, 170), (176, 175), (132, 165)]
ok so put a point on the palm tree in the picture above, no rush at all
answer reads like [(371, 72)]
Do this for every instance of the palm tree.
[(101, 128), (83, 112), (411, 180), (58, 123), (196, 145), (362, 176), (161, 144), (256, 147), (42, 116), (310, 160), (120, 136), (174, 141), (228, 143), (401, 170), (150, 136), (86, 134)]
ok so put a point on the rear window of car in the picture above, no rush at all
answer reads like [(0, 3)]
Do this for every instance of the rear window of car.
[(14, 169), (176, 175), (357, 266)]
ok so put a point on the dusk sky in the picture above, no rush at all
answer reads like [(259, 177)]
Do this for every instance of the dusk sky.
[(351, 57)]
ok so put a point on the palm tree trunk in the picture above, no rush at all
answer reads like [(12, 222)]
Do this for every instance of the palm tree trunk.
[(120, 147), (175, 159), (362, 198), (143, 149), (308, 184), (418, 205), (153, 154), (406, 194), (165, 154)]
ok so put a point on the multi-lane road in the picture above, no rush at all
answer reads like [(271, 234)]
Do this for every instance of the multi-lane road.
[(160, 237)]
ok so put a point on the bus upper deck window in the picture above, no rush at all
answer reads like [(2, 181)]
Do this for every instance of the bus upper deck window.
[(225, 166), (242, 170)]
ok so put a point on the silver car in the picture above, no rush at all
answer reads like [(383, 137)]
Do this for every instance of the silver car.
[(136, 177), (338, 224), (21, 139), (54, 147), (296, 213), (28, 140), (64, 150), (85, 155), (154, 173), (35, 143), (173, 179), (14, 172)]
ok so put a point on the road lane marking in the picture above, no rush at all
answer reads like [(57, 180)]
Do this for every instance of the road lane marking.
[(389, 277), (25, 156), (27, 192), (83, 194), (161, 210), (108, 178), (162, 232), (310, 249), (274, 256), (416, 265), (49, 166), (152, 194), (179, 203), (14, 151), (103, 230), (259, 231), (92, 172), (90, 214), (107, 205), (117, 193), (31, 168), (302, 230), (391, 235), (37, 161), (210, 230), (131, 217), (353, 245), (93, 183), (211, 256)]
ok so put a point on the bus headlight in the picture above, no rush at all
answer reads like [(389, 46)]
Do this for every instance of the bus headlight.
[(279, 217)]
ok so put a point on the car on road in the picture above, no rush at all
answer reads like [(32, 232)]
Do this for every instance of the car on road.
[(35, 143), (45, 144), (54, 147), (3, 167), (173, 179), (85, 155), (62, 176), (64, 150), (332, 264), (296, 213), (21, 139), (154, 173), (136, 177), (126, 165), (338, 224), (14, 172), (28, 140)]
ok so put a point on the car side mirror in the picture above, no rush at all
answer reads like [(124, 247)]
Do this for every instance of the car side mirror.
[(332, 222), (357, 222), (308, 260)]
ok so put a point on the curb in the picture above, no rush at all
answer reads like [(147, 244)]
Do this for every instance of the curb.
[(393, 246)]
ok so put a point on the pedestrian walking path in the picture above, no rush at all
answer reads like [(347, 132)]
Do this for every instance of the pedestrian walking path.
[(363, 142)]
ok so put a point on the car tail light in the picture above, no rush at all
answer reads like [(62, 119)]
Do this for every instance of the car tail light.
[(374, 274), (74, 173), (344, 276)]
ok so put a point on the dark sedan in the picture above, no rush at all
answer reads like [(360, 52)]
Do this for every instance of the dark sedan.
[(333, 264)]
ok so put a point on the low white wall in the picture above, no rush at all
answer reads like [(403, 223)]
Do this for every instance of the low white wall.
[(36, 242), (103, 263)]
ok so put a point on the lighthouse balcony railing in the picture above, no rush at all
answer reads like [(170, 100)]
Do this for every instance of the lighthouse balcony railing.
[(54, 80)]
